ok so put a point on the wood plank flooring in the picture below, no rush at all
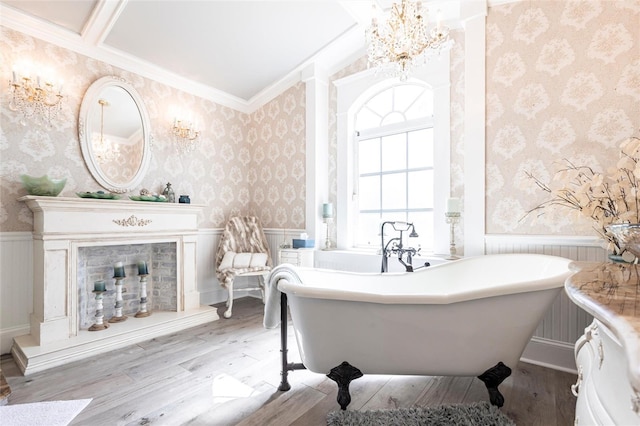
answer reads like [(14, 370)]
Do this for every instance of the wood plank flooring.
[(227, 373)]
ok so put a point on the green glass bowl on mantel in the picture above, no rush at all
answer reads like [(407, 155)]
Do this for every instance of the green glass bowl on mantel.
[(43, 186), (628, 237)]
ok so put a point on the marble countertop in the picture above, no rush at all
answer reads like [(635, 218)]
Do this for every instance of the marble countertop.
[(611, 293)]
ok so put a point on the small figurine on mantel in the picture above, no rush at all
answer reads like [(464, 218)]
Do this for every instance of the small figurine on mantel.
[(169, 194)]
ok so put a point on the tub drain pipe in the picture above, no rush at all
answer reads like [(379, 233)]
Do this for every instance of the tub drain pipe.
[(286, 366)]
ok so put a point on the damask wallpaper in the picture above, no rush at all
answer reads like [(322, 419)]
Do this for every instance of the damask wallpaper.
[(243, 163), (563, 82)]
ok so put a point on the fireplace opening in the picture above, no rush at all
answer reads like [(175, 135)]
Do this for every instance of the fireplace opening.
[(96, 263)]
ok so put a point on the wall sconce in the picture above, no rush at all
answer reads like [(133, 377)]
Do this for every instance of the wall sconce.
[(39, 98), (185, 134), (327, 218)]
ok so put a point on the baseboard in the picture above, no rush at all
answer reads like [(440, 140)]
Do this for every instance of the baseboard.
[(8, 334), (551, 354)]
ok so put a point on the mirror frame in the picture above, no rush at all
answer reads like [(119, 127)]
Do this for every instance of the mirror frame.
[(89, 100)]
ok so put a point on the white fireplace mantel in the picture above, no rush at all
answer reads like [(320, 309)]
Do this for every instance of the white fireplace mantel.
[(61, 227)]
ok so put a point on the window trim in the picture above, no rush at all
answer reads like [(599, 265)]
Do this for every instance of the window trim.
[(353, 91)]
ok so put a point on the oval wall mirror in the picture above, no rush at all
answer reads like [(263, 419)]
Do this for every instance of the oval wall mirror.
[(114, 134)]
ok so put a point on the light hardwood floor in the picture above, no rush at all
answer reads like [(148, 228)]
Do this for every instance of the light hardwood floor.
[(227, 373)]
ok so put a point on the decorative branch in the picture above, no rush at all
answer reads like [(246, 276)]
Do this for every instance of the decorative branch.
[(603, 199)]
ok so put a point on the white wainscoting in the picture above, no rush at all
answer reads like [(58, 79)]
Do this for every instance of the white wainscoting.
[(16, 286)]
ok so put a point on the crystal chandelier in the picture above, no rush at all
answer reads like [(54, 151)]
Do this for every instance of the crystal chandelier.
[(404, 41), (42, 102), (185, 135)]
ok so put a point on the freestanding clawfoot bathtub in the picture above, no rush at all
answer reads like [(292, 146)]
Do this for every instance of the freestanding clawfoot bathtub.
[(471, 317)]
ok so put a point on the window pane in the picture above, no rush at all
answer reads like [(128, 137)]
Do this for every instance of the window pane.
[(393, 117), (421, 189), (420, 148), (367, 119), (392, 217), (381, 104), (394, 152), (423, 224), (368, 225), (394, 191), (369, 156), (422, 108), (406, 95), (369, 191)]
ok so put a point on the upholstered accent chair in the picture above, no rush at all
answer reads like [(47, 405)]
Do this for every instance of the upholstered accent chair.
[(243, 251)]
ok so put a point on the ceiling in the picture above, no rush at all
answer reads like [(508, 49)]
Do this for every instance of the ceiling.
[(230, 50), (237, 53)]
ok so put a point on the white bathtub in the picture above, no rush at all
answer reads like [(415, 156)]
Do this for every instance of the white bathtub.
[(455, 319)]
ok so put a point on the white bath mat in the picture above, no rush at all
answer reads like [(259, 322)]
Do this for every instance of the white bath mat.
[(49, 413)]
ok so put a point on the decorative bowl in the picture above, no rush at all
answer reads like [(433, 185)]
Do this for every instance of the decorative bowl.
[(628, 236), (43, 185), (100, 195), (155, 198)]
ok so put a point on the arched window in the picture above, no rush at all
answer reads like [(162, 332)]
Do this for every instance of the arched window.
[(394, 163), (393, 152)]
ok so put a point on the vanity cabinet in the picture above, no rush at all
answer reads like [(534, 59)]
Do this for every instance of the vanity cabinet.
[(604, 394), (296, 257), (608, 353)]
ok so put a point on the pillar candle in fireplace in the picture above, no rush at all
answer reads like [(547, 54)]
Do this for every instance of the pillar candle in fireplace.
[(142, 268), (99, 286), (118, 270)]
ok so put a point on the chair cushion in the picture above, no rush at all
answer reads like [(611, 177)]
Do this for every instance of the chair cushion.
[(232, 260)]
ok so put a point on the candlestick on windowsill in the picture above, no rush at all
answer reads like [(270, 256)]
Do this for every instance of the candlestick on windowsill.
[(327, 218), (452, 218)]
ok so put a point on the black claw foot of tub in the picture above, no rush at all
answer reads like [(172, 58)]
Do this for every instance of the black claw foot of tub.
[(492, 379), (343, 375)]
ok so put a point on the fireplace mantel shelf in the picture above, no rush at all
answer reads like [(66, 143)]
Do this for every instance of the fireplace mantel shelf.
[(63, 225), (86, 217)]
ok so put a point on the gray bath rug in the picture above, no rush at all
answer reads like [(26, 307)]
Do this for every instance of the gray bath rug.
[(474, 414)]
